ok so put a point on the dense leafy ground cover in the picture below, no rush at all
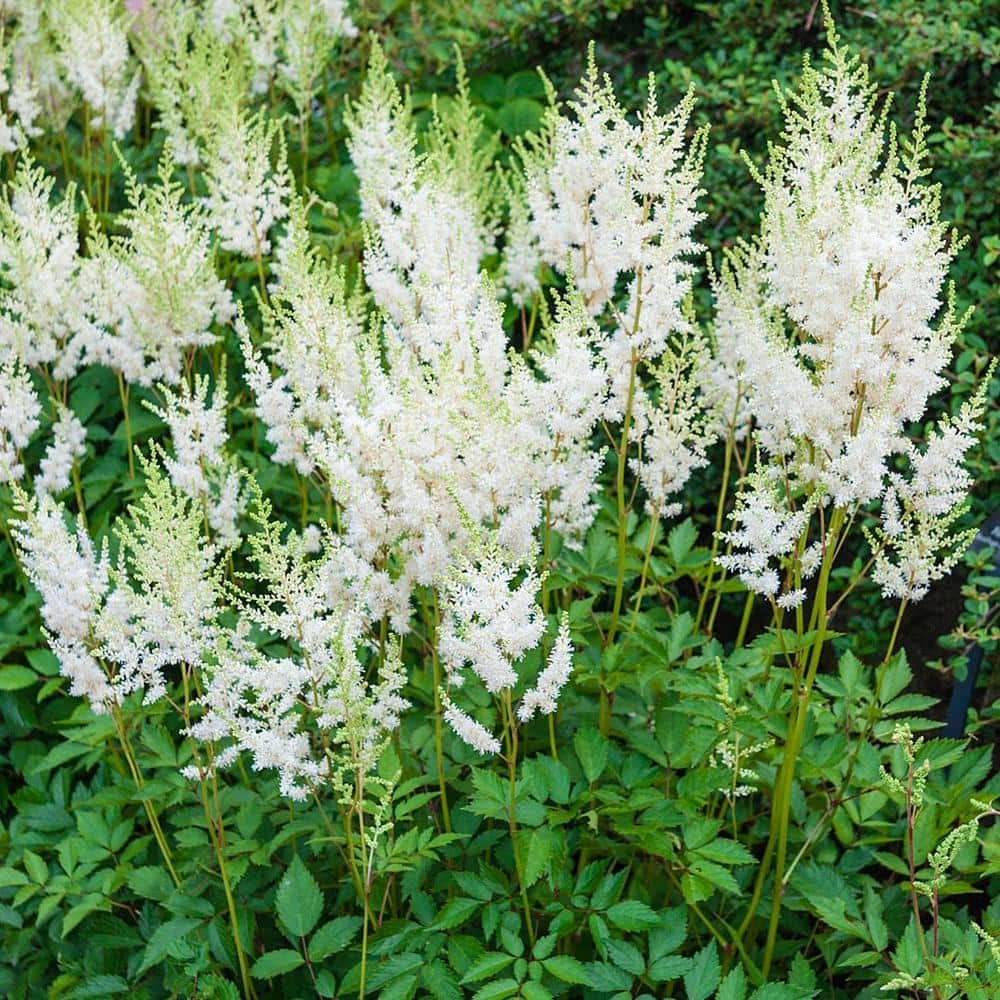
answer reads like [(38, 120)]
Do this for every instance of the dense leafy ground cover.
[(412, 667)]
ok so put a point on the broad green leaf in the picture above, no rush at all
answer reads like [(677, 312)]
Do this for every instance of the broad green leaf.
[(163, 937), (487, 964), (703, 976), (333, 937), (592, 752), (632, 915), (566, 968), (542, 845), (456, 912), (734, 986), (14, 677), (298, 900), (276, 963)]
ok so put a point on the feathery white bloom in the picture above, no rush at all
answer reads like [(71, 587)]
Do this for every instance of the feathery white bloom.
[(152, 294), (468, 730), (39, 265), (428, 215), (917, 541), (70, 575), (490, 621), (544, 695), (828, 325), (198, 433), (94, 54), (618, 201), (19, 413), (310, 715), (766, 530), (69, 444), (247, 195)]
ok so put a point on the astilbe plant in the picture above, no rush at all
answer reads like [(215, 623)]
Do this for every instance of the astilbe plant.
[(355, 605)]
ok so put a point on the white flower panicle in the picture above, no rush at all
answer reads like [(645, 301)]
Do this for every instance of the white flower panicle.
[(491, 619), (92, 36), (311, 715), (827, 328), (247, 194), (543, 697), (39, 265), (69, 444), (20, 410), (152, 294), (616, 201), (917, 540), (766, 528), (199, 466), (679, 428), (72, 579), (471, 732), (428, 214)]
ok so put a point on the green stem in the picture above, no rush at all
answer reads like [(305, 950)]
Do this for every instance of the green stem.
[(622, 512), (720, 510), (438, 716), (512, 813), (654, 524), (123, 395), (745, 620), (786, 777)]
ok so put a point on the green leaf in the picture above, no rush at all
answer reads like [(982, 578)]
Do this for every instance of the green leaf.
[(703, 976), (276, 963), (487, 964), (668, 967), (631, 915), (97, 987), (15, 677), (455, 912), (150, 882), (592, 752), (333, 937), (542, 846), (36, 867), (566, 968), (497, 991), (440, 982), (522, 114), (395, 967), (608, 979), (163, 937), (298, 900), (734, 986)]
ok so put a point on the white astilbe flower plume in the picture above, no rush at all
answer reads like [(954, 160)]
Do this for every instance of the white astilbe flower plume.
[(247, 193), (92, 36), (543, 697), (72, 579), (679, 429), (766, 528), (827, 326), (39, 265), (428, 214), (311, 715), (491, 620), (69, 443), (152, 294), (19, 413), (917, 540), (617, 201), (199, 466), (404, 444)]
